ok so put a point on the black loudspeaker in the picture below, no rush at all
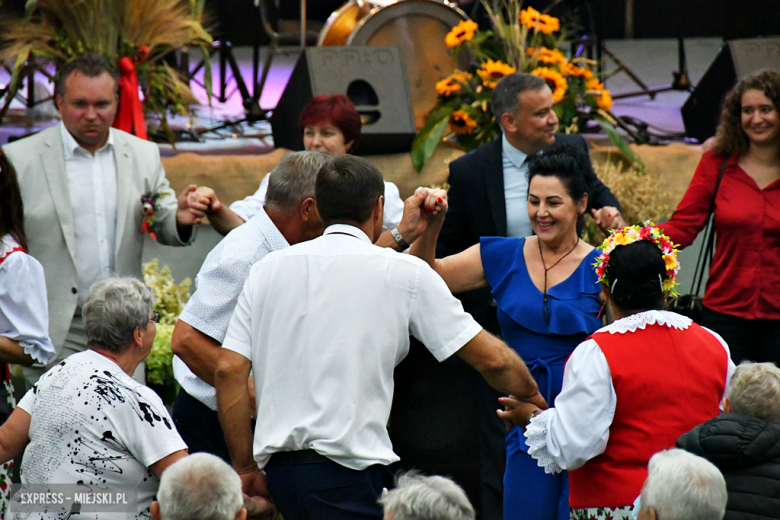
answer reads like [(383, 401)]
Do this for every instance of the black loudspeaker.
[(735, 60), (373, 78)]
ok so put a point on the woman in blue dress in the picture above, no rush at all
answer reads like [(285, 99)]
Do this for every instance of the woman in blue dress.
[(547, 297)]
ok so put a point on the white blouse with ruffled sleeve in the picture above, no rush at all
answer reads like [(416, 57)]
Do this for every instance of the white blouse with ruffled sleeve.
[(577, 428), (24, 314)]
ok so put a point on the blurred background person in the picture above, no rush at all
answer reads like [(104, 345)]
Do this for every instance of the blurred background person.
[(742, 297), (681, 486), (417, 497), (546, 293), (331, 125), (632, 388), (744, 442), (88, 406)]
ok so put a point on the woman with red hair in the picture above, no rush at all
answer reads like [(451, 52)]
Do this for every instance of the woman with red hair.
[(331, 125)]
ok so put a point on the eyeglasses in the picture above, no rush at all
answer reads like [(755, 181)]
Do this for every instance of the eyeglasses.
[(155, 317)]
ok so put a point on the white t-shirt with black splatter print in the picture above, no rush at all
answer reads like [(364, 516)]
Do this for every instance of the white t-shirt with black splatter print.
[(93, 424)]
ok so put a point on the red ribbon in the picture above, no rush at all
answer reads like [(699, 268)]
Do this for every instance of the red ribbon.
[(130, 116)]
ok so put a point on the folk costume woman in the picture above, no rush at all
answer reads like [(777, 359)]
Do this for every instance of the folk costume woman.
[(630, 389), (24, 316)]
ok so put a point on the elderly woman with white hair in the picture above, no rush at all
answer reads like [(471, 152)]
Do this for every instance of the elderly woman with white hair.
[(417, 497), (744, 442), (87, 421), (681, 486)]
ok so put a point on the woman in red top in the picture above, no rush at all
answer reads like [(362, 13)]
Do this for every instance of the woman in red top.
[(742, 298)]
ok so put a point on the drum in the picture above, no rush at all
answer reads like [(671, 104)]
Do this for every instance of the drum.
[(418, 27)]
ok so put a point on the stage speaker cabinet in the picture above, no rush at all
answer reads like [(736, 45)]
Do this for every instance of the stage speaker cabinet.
[(373, 78), (735, 60)]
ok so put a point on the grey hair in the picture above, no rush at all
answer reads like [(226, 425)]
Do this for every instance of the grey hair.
[(682, 486), (754, 390), (417, 497), (200, 486), (506, 95), (292, 181), (115, 307)]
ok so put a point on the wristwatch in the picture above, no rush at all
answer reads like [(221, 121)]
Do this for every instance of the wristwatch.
[(399, 238)]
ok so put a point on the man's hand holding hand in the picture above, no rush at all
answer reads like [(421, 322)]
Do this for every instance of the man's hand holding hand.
[(193, 204), (419, 209), (608, 218)]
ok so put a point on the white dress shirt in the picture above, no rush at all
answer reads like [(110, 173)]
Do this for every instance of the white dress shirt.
[(249, 206), (324, 323), (515, 166), (218, 284), (24, 315), (577, 428), (92, 187)]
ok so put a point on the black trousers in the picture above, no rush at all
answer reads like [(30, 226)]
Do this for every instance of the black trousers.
[(748, 340), (199, 426), (328, 491)]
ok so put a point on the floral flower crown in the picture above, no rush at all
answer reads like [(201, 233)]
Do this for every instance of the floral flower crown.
[(628, 235)]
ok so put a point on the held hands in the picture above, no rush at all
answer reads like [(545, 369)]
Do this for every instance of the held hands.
[(425, 206), (259, 507), (517, 411), (194, 202), (608, 218), (257, 498)]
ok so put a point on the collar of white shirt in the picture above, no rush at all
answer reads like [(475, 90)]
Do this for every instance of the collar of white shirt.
[(513, 154), (70, 144), (346, 229)]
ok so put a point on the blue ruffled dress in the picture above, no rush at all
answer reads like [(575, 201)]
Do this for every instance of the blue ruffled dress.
[(544, 339)]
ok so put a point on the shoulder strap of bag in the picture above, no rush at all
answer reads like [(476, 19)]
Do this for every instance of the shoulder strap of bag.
[(707, 246)]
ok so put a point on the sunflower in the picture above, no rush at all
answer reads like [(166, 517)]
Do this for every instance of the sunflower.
[(462, 32), (448, 86), (492, 71), (594, 84), (604, 100), (548, 24), (570, 69), (529, 17), (544, 23), (545, 55), (462, 123), (554, 80)]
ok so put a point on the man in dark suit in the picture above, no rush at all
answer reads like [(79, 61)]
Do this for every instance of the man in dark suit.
[(488, 197)]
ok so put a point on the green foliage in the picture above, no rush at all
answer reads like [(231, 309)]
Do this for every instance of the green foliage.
[(171, 299)]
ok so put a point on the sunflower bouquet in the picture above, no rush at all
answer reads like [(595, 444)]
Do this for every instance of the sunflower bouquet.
[(521, 40)]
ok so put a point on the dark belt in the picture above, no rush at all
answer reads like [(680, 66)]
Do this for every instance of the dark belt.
[(296, 458)]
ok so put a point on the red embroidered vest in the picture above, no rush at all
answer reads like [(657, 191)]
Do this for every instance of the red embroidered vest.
[(667, 381)]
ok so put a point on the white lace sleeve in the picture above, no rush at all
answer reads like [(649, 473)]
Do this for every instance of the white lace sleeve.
[(536, 440), (577, 428)]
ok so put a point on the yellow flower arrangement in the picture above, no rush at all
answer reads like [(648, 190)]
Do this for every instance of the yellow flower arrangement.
[(544, 23), (462, 32), (492, 71), (555, 80), (545, 55), (462, 123), (519, 40)]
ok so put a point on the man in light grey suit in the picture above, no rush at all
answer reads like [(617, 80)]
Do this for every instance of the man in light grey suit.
[(82, 183)]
